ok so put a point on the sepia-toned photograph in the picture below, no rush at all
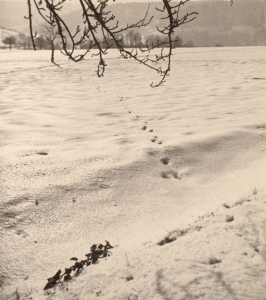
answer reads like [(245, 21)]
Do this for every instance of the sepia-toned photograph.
[(132, 149)]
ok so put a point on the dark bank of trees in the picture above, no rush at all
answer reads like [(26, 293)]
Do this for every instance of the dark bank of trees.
[(24, 41), (46, 40), (10, 41), (18, 41), (133, 39)]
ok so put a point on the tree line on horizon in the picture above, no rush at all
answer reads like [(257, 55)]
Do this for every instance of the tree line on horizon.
[(48, 39), (23, 41)]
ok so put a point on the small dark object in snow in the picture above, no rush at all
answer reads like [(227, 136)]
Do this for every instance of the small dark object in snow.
[(213, 261), (97, 252), (42, 153), (129, 277), (229, 218), (52, 281), (166, 240)]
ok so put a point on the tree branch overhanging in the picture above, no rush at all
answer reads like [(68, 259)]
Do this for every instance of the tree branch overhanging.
[(101, 31)]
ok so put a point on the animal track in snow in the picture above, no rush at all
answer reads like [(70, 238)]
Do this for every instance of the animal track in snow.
[(42, 153), (165, 161), (170, 174), (145, 126), (154, 139)]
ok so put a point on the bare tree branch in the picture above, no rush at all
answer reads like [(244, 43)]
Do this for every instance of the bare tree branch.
[(101, 31), (30, 25)]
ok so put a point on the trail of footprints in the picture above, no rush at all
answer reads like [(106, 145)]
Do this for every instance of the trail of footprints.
[(170, 173), (154, 139)]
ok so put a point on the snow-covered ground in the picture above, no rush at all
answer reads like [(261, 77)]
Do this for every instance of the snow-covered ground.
[(84, 160)]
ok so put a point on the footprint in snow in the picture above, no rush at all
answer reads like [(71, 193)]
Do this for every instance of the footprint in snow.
[(42, 153), (170, 174), (165, 161)]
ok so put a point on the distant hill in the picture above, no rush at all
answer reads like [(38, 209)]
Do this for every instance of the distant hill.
[(217, 23), (220, 24)]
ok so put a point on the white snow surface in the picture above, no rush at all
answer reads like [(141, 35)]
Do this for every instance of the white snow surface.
[(84, 160)]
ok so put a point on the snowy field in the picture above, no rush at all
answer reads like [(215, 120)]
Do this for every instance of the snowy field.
[(84, 160)]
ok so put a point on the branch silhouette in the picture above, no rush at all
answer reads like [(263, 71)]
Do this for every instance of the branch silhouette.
[(102, 31)]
